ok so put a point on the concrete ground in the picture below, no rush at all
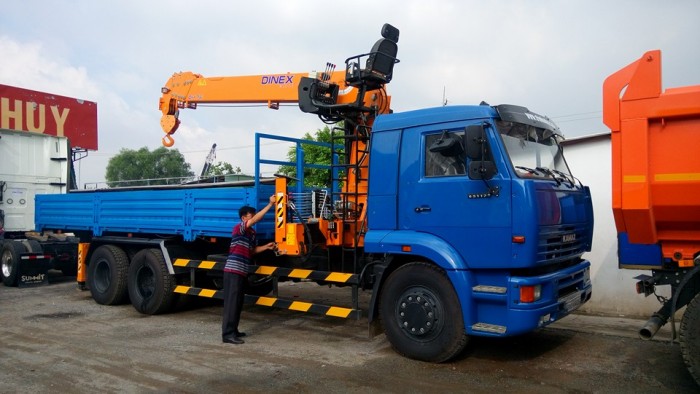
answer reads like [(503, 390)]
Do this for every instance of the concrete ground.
[(57, 339)]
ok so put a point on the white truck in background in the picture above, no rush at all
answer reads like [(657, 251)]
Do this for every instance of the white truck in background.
[(31, 164)]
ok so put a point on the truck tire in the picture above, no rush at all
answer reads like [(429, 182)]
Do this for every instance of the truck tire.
[(9, 261), (151, 287), (420, 313), (259, 285), (32, 246), (107, 275), (690, 337)]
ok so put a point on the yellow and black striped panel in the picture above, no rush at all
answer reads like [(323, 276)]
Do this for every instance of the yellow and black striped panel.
[(202, 264), (274, 302), (301, 306), (296, 273), (195, 291)]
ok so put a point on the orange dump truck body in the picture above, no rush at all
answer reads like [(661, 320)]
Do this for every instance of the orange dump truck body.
[(655, 164)]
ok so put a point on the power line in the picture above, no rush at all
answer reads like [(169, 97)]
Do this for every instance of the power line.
[(96, 153), (578, 114)]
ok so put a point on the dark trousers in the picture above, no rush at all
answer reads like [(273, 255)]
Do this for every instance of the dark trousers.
[(234, 296)]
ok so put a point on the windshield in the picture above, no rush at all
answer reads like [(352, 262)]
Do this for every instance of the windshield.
[(534, 151)]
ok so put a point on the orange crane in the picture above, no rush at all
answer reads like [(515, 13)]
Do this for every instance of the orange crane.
[(355, 96)]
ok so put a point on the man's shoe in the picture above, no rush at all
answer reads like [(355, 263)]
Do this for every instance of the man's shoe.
[(233, 340), (239, 334)]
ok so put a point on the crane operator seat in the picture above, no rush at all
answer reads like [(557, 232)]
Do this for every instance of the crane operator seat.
[(379, 66)]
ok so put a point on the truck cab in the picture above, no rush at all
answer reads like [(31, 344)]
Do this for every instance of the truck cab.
[(484, 193)]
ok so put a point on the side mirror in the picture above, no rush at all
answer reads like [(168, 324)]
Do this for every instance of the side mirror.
[(480, 166), (482, 170), (475, 139)]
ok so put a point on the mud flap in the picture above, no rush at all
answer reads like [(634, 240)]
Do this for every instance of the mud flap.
[(33, 269)]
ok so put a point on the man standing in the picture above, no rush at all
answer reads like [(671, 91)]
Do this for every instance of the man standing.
[(236, 270)]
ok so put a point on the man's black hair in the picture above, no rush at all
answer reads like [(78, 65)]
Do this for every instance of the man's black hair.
[(244, 210)]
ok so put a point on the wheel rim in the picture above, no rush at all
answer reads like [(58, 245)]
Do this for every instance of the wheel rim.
[(145, 282), (6, 263), (258, 280), (420, 313), (103, 276)]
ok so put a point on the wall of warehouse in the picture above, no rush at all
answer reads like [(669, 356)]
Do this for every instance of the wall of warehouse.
[(589, 159)]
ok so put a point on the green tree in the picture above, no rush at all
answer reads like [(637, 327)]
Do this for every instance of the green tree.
[(143, 167), (224, 168), (313, 154)]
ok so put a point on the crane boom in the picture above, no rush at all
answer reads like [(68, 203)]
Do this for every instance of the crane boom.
[(187, 89), (207, 162)]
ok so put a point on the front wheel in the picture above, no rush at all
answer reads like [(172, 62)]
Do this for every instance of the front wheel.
[(151, 287), (690, 337), (421, 314)]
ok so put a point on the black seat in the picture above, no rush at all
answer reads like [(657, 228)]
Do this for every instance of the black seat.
[(380, 62), (379, 66)]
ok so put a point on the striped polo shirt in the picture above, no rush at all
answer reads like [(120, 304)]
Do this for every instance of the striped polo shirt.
[(241, 249)]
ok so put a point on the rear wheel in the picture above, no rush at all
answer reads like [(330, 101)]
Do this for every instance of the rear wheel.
[(32, 246), (9, 261), (151, 287), (421, 314), (259, 285), (690, 337), (107, 275)]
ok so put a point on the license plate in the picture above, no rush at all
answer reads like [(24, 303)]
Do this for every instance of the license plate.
[(570, 302)]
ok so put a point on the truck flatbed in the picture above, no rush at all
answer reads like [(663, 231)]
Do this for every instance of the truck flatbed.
[(189, 211)]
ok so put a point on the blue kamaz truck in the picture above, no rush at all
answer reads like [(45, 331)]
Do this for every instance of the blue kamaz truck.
[(461, 220)]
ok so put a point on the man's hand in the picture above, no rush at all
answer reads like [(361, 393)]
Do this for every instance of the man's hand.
[(267, 246), (273, 200)]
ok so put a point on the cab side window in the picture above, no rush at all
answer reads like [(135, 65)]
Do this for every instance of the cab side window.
[(445, 154)]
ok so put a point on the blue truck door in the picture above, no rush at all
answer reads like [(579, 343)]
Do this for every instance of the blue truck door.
[(437, 196)]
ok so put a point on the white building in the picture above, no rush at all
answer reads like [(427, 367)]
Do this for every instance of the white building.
[(589, 159)]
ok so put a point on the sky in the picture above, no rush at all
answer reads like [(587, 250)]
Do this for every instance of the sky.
[(550, 56)]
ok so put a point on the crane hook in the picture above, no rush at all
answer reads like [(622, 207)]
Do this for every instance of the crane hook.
[(168, 141), (169, 124)]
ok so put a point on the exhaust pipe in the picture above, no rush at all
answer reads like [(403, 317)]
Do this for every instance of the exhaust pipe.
[(651, 327), (657, 320)]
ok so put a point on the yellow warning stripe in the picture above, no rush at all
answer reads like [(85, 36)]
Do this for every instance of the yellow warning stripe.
[(677, 177), (338, 277), (634, 178), (299, 273), (300, 306), (339, 312), (266, 301), (265, 270)]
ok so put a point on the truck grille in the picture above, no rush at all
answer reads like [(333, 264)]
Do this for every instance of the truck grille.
[(560, 243)]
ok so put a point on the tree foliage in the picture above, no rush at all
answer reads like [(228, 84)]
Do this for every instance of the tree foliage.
[(223, 168), (313, 154), (143, 167)]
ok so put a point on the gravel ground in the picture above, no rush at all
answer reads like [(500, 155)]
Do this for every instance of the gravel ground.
[(57, 339)]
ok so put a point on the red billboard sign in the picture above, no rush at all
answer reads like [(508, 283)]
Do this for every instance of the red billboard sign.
[(46, 113)]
